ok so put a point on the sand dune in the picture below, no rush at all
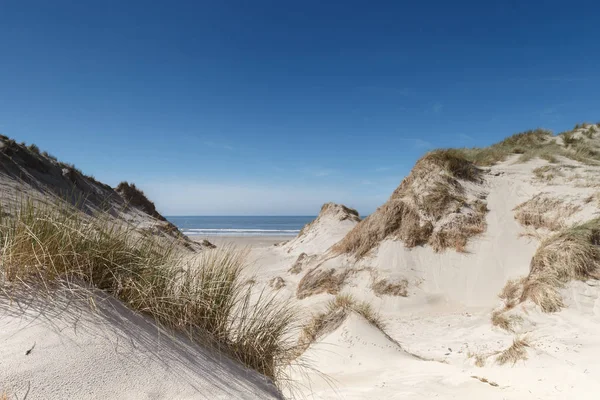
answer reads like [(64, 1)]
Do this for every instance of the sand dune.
[(465, 304)]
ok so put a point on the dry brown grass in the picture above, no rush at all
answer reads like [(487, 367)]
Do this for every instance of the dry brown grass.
[(207, 299), (335, 313), (318, 281), (506, 322), (480, 359), (383, 287), (457, 232), (511, 292), (431, 194), (571, 254), (277, 283), (547, 173), (301, 261), (516, 352), (544, 211), (485, 380)]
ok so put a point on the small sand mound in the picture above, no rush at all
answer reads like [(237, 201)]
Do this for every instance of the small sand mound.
[(333, 222), (439, 203)]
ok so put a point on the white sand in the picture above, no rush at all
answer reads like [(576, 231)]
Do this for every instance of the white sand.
[(101, 350)]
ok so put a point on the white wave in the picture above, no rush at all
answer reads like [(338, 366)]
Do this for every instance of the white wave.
[(241, 230)]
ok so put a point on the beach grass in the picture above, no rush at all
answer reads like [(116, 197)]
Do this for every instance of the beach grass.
[(206, 298)]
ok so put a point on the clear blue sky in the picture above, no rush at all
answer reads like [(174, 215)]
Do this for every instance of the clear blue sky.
[(274, 107)]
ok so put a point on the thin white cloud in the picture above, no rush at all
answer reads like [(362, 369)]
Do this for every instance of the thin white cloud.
[(437, 107), (463, 136), (382, 169)]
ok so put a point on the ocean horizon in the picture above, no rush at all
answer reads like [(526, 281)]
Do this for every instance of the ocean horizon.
[(240, 225)]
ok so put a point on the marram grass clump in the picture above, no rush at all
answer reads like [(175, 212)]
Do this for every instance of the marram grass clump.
[(45, 246), (571, 254)]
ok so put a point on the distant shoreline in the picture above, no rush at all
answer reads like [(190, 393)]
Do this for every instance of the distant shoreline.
[(250, 241)]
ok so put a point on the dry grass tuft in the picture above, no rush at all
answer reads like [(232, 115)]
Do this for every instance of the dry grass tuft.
[(571, 254), (336, 311), (547, 173), (544, 211), (480, 359), (508, 323), (485, 380), (277, 283), (511, 292), (383, 287), (207, 299), (318, 281), (517, 351), (457, 232), (301, 261)]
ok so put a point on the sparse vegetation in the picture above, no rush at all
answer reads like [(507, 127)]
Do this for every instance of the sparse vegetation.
[(384, 287), (547, 173), (333, 316), (571, 254), (34, 149), (485, 380), (516, 352), (56, 245), (136, 198), (506, 322), (277, 283), (299, 264), (480, 359), (318, 281), (544, 211)]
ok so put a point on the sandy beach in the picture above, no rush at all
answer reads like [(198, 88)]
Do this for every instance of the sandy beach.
[(242, 241)]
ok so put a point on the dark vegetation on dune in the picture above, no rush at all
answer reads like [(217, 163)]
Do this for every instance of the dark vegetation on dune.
[(136, 198), (47, 175)]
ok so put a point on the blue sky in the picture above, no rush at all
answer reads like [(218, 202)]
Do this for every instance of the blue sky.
[(274, 107)]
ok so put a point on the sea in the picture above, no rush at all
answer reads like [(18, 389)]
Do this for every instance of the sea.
[(241, 226)]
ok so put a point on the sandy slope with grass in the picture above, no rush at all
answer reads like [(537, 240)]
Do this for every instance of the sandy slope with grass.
[(506, 311), (101, 297), (92, 346)]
